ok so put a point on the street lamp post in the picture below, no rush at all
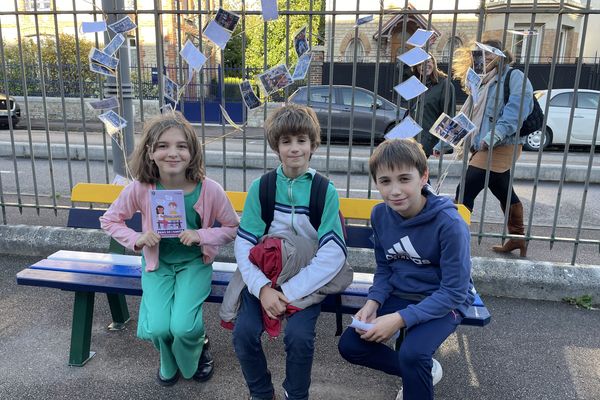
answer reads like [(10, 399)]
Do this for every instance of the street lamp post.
[(124, 92)]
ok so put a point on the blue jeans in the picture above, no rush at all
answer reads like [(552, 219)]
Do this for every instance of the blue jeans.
[(413, 361), (299, 343)]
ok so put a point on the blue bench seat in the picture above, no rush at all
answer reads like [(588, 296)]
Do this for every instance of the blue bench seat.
[(87, 273)]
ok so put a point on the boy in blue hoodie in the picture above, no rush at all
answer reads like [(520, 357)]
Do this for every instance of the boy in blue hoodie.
[(423, 277)]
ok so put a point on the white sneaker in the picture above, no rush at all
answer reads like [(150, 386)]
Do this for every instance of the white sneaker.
[(436, 374), (436, 371)]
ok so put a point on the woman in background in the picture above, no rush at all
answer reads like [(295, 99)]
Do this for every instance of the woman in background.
[(433, 100)]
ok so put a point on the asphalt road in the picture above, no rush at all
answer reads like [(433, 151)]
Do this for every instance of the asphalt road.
[(531, 350)]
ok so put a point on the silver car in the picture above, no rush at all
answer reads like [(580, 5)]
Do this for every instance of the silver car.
[(341, 111)]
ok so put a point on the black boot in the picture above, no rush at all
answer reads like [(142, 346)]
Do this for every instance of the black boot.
[(205, 364)]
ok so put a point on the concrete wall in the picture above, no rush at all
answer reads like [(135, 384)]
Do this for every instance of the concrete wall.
[(73, 110)]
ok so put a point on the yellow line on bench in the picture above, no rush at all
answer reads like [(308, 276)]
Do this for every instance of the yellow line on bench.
[(352, 208)]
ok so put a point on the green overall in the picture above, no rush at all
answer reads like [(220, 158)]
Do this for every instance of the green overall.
[(171, 306)]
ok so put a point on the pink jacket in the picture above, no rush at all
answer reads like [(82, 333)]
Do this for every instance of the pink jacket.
[(213, 205)]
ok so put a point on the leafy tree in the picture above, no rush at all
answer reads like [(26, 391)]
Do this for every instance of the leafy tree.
[(232, 55), (276, 44), (33, 73)]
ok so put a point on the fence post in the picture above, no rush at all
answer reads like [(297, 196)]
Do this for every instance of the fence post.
[(124, 92)]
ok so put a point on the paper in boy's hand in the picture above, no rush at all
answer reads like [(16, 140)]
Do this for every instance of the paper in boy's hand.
[(406, 129), (364, 326), (168, 212), (269, 10), (414, 56), (410, 88), (420, 38)]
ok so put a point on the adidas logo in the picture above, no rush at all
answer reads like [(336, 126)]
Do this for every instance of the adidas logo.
[(404, 250)]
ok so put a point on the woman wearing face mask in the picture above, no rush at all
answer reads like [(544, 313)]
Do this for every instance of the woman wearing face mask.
[(433, 100), (496, 131)]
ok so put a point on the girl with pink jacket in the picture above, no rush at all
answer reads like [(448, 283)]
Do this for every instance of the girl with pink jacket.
[(176, 271)]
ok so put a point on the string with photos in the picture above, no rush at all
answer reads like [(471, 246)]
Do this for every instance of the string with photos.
[(117, 136)]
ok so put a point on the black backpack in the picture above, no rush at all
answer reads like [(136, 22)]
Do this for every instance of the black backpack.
[(318, 192), (535, 119)]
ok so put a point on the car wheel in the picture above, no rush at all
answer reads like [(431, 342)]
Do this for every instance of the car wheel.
[(534, 140)]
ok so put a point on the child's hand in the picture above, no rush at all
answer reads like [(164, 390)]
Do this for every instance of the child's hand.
[(385, 327), (149, 239), (189, 237), (273, 301), (367, 314)]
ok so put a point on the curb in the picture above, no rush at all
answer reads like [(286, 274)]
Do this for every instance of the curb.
[(236, 159), (523, 279)]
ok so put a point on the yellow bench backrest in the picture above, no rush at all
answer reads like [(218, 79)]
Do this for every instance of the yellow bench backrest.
[(351, 208)]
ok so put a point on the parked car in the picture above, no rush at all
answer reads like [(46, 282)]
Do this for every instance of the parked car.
[(341, 104), (15, 110), (584, 118)]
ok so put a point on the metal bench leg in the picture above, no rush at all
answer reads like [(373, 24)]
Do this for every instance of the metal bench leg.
[(81, 330), (118, 310)]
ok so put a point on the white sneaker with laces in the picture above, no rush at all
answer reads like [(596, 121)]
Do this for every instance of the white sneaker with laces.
[(436, 374)]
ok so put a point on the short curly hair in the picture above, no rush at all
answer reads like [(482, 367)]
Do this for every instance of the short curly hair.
[(292, 119)]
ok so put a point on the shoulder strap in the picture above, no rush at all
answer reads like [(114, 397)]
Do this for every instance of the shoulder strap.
[(318, 193), (507, 85), (266, 193)]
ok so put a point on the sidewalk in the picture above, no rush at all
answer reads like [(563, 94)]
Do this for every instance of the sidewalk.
[(531, 350), (526, 168)]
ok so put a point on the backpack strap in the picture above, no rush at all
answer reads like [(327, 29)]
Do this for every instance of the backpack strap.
[(318, 193), (507, 85), (266, 194)]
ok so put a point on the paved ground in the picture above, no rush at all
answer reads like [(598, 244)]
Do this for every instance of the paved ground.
[(531, 350)]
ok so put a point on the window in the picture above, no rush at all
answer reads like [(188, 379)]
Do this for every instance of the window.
[(449, 46), (132, 43), (42, 5), (360, 51), (321, 95), (563, 42), (519, 46), (361, 99), (562, 100), (588, 100)]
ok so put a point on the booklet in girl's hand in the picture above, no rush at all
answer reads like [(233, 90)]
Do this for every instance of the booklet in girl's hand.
[(168, 212)]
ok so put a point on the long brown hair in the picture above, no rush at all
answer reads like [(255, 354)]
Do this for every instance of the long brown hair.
[(436, 73), (463, 60), (145, 170)]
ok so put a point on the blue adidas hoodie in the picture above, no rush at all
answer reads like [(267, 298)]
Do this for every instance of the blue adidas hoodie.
[(426, 258)]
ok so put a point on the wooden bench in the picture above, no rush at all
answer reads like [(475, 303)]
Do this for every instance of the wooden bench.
[(118, 275)]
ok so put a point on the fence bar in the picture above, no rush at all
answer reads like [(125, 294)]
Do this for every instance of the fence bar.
[(570, 127)]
